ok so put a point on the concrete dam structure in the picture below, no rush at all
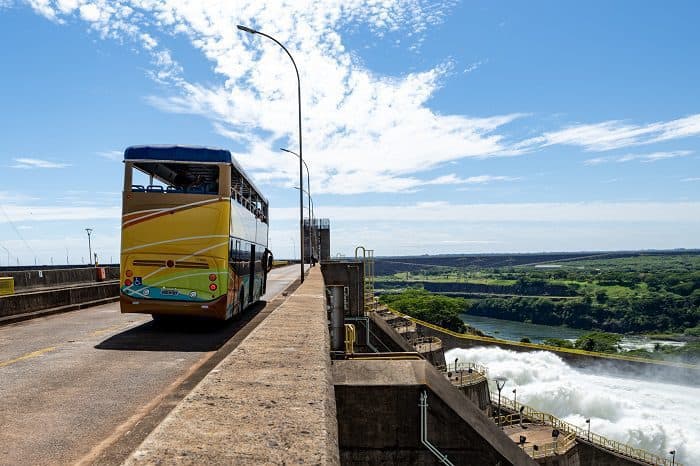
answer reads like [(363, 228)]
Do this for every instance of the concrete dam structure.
[(321, 374)]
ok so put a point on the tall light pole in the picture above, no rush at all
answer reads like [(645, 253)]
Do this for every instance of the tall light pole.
[(301, 159), (89, 232), (673, 456), (308, 193), (500, 382), (588, 421)]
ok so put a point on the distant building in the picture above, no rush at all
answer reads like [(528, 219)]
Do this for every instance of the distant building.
[(317, 234)]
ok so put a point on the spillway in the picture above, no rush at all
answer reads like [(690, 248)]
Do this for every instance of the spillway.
[(643, 412)]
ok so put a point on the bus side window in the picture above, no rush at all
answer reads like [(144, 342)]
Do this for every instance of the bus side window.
[(236, 256)]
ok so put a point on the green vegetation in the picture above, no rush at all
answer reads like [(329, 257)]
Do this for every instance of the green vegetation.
[(560, 342), (600, 342), (433, 308), (610, 343), (635, 293)]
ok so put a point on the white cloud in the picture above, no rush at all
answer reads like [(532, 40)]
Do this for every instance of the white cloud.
[(480, 179), (90, 12), (115, 155), (29, 163), (590, 212), (615, 134), (645, 158), (364, 132), (42, 213), (690, 179), (472, 67)]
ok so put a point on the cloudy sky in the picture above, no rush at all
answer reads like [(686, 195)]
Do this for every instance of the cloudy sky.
[(429, 126)]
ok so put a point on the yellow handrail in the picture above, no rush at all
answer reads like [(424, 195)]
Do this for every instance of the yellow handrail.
[(350, 338)]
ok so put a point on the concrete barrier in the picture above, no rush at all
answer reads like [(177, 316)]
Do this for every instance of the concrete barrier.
[(52, 278), (30, 302), (270, 401)]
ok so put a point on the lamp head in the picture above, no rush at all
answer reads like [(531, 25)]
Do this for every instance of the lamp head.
[(247, 29), (500, 382)]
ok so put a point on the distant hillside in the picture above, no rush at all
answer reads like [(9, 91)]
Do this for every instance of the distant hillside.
[(390, 265)]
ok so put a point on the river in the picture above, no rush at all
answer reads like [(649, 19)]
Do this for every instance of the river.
[(511, 330), (647, 413)]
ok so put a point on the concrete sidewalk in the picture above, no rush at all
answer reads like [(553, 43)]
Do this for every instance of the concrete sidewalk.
[(271, 401)]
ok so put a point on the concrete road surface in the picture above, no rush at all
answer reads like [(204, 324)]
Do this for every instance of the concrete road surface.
[(74, 385)]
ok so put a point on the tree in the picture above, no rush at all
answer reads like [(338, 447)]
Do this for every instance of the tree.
[(599, 342)]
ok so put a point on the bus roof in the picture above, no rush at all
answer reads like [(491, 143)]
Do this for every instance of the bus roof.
[(177, 153)]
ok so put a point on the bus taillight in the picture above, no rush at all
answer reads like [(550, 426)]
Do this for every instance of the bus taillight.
[(129, 273), (127, 282), (212, 277), (212, 287)]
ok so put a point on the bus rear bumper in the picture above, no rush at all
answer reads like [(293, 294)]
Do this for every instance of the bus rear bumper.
[(213, 309)]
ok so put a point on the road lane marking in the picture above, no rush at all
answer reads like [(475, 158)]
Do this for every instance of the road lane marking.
[(33, 354), (113, 328)]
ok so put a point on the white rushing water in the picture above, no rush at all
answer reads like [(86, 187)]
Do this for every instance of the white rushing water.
[(648, 414)]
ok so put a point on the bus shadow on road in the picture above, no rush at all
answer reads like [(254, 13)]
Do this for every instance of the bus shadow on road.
[(184, 334)]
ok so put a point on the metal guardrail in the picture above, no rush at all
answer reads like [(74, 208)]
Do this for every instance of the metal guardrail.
[(551, 448), (464, 374), (583, 434), (465, 366)]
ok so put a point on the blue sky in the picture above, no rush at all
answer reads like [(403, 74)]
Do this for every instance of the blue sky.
[(430, 127)]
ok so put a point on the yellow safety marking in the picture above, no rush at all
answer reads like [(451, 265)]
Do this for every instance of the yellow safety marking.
[(31, 355), (97, 333)]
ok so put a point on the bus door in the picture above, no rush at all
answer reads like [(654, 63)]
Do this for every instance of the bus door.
[(251, 285)]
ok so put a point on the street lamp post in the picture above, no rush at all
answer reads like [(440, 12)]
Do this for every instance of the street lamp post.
[(301, 159), (500, 382), (308, 194), (673, 456), (89, 232), (588, 421)]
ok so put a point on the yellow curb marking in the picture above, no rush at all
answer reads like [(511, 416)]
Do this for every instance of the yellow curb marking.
[(31, 355)]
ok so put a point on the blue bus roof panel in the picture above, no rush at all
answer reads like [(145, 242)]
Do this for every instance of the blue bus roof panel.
[(177, 154)]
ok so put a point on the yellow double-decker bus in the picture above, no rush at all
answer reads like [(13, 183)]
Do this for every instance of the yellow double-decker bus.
[(194, 233)]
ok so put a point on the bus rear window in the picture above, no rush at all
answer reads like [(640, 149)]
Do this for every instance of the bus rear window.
[(174, 177)]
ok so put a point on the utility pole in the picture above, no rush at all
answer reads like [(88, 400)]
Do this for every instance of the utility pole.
[(89, 233)]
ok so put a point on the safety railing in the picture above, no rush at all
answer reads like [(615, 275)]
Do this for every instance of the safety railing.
[(426, 344), (458, 366), (551, 448), (539, 417), (463, 374)]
